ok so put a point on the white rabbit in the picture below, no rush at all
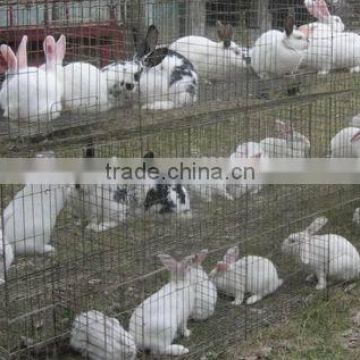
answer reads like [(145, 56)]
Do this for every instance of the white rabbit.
[(99, 337), (328, 256), (54, 56), (205, 290), (85, 88), (251, 274), (120, 82), (231, 191), (342, 144), (288, 143), (28, 93), (31, 216), (249, 150), (276, 53), (6, 256), (212, 59), (327, 24), (340, 51), (104, 206), (167, 79), (155, 323)]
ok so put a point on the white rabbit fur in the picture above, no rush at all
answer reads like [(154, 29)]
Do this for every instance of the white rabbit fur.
[(119, 78), (155, 323), (251, 274), (327, 256), (31, 216), (249, 150), (85, 88), (342, 146), (104, 206), (166, 79), (340, 51), (212, 59), (231, 191), (276, 53), (205, 290), (100, 337), (330, 47), (7, 253), (288, 143), (28, 93), (54, 57)]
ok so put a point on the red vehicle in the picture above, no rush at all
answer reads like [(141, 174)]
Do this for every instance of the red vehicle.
[(93, 28)]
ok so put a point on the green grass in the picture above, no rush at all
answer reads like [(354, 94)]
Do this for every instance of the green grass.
[(318, 331)]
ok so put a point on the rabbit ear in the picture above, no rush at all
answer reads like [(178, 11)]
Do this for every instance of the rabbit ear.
[(49, 46), (283, 128), (9, 57), (317, 8), (224, 32), (316, 225), (152, 37), (356, 137), (305, 252), (21, 54), (199, 257), (289, 25), (149, 44), (231, 255), (60, 49)]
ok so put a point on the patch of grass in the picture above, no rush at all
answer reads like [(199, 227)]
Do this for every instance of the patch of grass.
[(318, 331)]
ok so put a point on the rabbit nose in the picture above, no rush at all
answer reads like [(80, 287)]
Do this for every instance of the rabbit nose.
[(129, 86)]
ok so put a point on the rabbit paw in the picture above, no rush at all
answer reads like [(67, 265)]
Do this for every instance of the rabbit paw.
[(2, 281), (49, 250), (253, 299), (323, 72), (355, 69), (237, 302), (176, 350), (320, 286), (158, 105), (100, 227), (186, 333)]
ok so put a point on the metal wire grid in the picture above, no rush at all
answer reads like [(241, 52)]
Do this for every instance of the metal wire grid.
[(116, 270)]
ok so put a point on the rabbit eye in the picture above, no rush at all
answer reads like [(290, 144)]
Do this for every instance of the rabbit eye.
[(237, 52)]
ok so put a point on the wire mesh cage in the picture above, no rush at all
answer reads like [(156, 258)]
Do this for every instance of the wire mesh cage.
[(108, 271)]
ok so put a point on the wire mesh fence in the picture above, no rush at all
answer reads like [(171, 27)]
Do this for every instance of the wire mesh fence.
[(80, 265)]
